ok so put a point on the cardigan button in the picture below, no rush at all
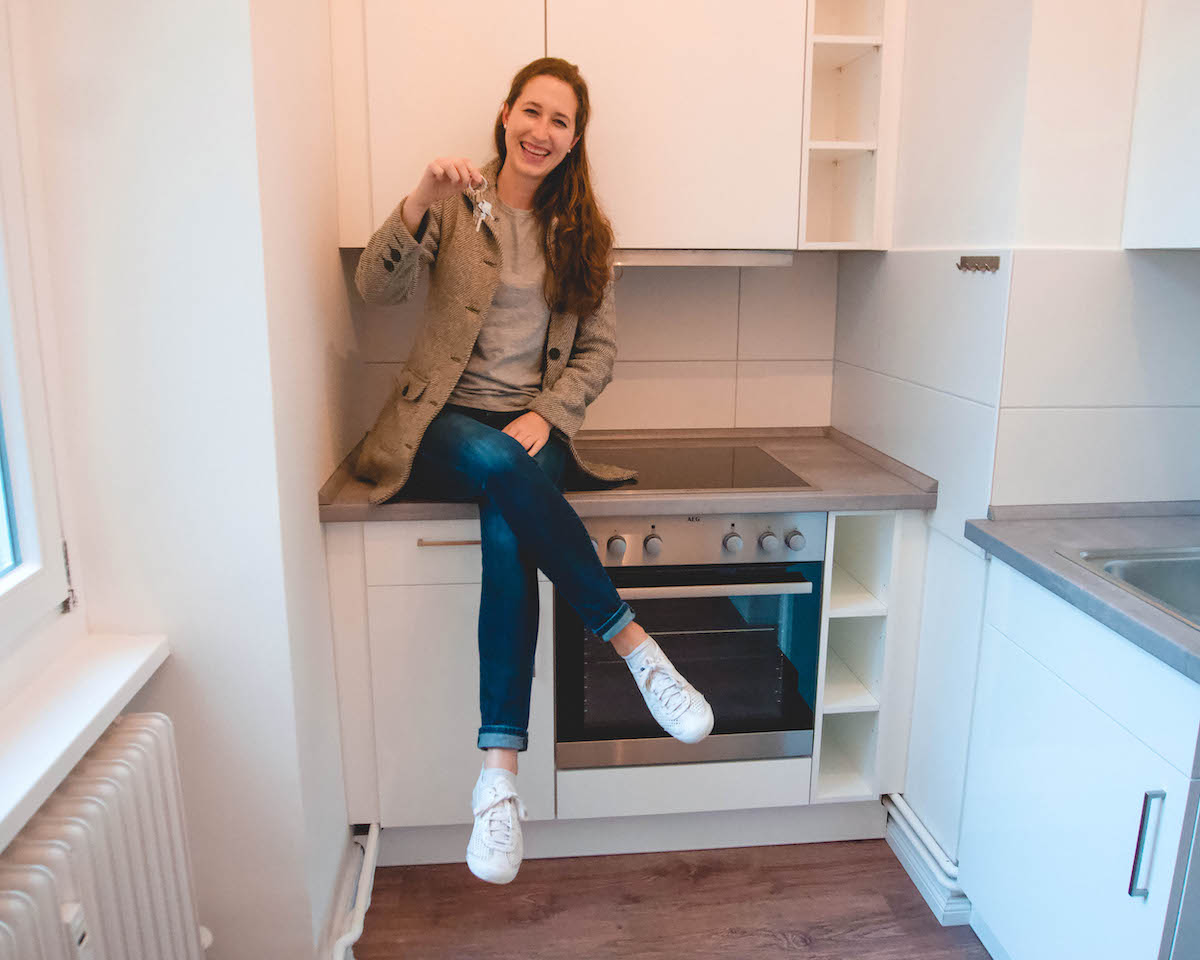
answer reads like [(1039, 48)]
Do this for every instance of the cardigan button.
[(553, 353)]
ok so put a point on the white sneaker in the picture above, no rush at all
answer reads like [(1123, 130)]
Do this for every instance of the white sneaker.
[(496, 848), (679, 708)]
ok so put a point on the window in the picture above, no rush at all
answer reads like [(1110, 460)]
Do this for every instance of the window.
[(32, 572)]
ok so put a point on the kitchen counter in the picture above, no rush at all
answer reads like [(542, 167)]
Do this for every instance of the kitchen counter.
[(842, 474), (1030, 546)]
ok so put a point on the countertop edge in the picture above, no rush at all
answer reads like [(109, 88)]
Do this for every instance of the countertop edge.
[(588, 504), (1154, 643)]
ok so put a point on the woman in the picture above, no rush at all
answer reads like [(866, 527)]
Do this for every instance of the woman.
[(518, 339)]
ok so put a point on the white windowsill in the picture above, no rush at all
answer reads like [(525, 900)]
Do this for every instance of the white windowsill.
[(55, 720)]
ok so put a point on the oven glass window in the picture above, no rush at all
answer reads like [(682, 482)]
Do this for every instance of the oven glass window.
[(753, 657)]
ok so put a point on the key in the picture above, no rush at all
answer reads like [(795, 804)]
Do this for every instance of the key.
[(483, 209)]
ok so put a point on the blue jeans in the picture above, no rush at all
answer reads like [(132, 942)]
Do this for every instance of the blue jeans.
[(524, 523)]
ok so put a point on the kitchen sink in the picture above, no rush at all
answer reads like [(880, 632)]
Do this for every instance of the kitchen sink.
[(1168, 578)]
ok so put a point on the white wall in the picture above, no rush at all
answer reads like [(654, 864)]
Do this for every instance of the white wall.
[(1100, 378), (311, 361), (188, 520), (698, 347)]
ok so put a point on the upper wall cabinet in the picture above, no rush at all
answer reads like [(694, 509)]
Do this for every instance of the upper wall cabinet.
[(415, 81), (760, 125), (1162, 199), (695, 138)]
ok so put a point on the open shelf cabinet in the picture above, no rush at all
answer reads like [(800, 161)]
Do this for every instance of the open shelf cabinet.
[(850, 118), (863, 553)]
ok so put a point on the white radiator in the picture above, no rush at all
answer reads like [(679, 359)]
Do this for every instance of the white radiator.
[(102, 870)]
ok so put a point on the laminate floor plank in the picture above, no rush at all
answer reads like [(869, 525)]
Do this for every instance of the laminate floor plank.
[(821, 901)]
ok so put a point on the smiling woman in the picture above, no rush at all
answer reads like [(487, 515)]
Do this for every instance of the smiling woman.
[(519, 337)]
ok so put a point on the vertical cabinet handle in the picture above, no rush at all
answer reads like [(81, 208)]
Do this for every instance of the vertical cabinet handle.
[(1139, 852)]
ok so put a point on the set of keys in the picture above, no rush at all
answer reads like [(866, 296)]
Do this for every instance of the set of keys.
[(483, 209)]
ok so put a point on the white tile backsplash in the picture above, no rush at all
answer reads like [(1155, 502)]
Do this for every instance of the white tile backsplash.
[(666, 395), (1097, 455), (789, 313), (783, 393), (677, 313), (684, 335), (1103, 329), (914, 315)]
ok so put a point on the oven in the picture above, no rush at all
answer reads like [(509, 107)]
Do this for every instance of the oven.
[(735, 602)]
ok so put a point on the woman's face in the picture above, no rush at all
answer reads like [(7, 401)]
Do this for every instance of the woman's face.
[(540, 127)]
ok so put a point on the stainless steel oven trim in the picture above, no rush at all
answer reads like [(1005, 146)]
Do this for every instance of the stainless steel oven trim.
[(714, 590), (659, 750)]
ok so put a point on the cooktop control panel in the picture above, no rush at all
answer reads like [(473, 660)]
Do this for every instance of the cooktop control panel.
[(708, 538)]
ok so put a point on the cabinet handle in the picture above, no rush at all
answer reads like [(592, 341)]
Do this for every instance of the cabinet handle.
[(422, 542), (1134, 889)]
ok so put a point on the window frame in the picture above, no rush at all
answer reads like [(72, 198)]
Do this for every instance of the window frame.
[(32, 590)]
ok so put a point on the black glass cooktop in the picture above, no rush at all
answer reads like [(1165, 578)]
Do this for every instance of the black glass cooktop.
[(689, 468)]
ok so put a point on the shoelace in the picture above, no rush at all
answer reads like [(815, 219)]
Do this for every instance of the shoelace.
[(659, 679), (498, 822)]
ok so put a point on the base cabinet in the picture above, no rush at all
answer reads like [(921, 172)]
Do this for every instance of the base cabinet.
[(425, 683), (1080, 799), (1052, 816)]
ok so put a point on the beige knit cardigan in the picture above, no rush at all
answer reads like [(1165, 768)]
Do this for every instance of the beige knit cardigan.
[(464, 270)]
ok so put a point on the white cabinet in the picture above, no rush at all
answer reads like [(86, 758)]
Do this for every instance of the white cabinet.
[(1067, 805), (697, 137), (1162, 200), (696, 131), (425, 682), (405, 606), (414, 81)]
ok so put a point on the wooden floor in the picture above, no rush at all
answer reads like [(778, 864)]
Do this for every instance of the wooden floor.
[(824, 901)]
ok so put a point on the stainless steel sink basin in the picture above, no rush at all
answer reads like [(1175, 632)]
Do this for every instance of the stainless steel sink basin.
[(1167, 578)]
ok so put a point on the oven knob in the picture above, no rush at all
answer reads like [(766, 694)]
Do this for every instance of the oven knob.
[(653, 545), (768, 541), (595, 544), (795, 540), (732, 542), (616, 545)]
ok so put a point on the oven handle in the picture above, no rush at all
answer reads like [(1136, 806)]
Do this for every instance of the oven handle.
[(713, 590)]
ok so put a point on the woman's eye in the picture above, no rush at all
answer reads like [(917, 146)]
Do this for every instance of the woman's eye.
[(531, 111), (561, 123)]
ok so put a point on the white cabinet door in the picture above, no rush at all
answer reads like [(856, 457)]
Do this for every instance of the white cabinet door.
[(425, 686), (695, 136), (437, 74), (1162, 197), (1051, 818)]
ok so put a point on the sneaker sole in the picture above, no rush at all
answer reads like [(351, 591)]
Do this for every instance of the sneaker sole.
[(488, 876)]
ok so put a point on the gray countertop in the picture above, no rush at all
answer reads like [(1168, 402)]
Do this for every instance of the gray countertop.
[(1031, 546), (842, 474)]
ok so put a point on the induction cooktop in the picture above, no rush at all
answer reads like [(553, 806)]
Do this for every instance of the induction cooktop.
[(715, 467)]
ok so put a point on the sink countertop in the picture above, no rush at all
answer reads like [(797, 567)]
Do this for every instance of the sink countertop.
[(843, 474), (1030, 546)]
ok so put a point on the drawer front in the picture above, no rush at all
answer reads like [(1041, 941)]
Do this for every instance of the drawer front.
[(423, 551), (1158, 705), (683, 788)]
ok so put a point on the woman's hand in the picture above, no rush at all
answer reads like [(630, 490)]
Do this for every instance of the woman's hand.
[(444, 177), (530, 430)]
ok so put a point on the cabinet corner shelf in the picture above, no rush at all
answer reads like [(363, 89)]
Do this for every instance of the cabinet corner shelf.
[(845, 692), (847, 40), (843, 146), (849, 598)]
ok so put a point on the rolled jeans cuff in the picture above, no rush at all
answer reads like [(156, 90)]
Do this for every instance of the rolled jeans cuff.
[(616, 623), (510, 738)]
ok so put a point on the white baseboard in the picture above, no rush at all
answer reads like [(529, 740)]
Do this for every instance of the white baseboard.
[(814, 823), (952, 908), (341, 905)]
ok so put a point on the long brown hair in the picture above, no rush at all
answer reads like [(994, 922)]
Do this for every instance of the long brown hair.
[(578, 258)]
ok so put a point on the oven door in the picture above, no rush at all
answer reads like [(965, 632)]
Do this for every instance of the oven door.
[(746, 636)]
